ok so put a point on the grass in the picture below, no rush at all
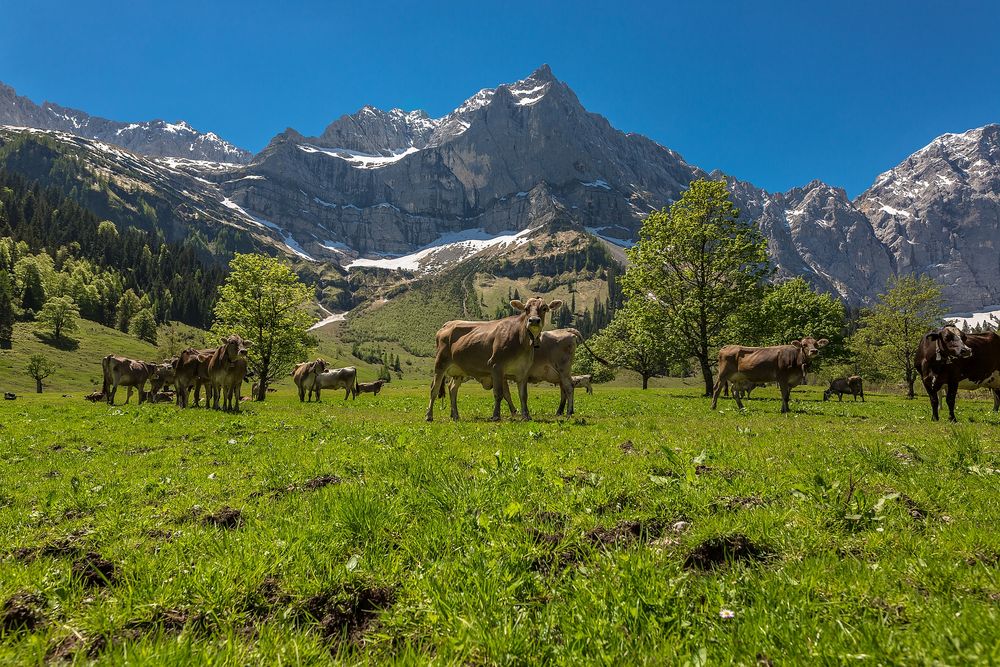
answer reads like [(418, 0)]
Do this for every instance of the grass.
[(297, 533)]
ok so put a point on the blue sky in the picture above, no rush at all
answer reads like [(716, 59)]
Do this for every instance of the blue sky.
[(777, 93)]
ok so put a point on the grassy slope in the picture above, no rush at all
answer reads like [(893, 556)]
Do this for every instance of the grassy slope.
[(476, 542)]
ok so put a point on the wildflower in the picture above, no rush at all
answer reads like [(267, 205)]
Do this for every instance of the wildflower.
[(727, 613)]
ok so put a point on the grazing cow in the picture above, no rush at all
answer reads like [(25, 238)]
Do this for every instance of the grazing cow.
[(786, 365), (950, 357), (490, 352), (370, 387), (130, 373), (582, 381), (304, 377), (336, 378), (191, 370), (841, 386), (9, 396), (226, 370), (95, 396)]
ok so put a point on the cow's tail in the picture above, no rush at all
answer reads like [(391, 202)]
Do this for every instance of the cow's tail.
[(579, 337), (106, 370)]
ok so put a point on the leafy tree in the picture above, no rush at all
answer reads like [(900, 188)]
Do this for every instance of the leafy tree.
[(39, 368), (6, 310), (695, 265), (635, 339), (264, 302), (889, 333), (29, 277), (128, 306), (59, 314), (143, 326), (584, 363), (788, 311)]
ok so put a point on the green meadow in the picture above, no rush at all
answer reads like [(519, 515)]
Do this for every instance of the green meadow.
[(646, 529)]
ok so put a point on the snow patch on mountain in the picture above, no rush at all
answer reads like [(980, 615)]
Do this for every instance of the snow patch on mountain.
[(452, 247)]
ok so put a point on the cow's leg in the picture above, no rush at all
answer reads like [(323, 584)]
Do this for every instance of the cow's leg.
[(932, 388), (722, 382), (566, 396), (862, 392), (996, 400), (498, 384), (950, 395), (506, 397), (435, 390), (316, 389), (522, 393), (302, 393), (840, 396), (237, 399), (786, 390), (347, 392), (453, 388), (128, 394)]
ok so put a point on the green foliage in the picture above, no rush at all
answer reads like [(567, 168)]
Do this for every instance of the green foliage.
[(695, 265), (584, 363), (59, 314), (6, 308), (39, 367), (889, 332), (264, 302), (29, 280), (637, 339), (126, 309), (143, 326)]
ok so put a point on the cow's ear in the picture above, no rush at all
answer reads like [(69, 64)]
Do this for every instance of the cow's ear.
[(796, 343), (224, 340), (934, 335), (555, 304), (517, 305), (247, 343), (822, 342)]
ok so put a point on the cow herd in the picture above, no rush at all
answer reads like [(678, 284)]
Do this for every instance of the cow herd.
[(516, 348)]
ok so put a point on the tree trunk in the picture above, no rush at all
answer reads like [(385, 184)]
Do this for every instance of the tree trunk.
[(645, 382), (910, 379), (706, 373), (38, 385), (262, 381)]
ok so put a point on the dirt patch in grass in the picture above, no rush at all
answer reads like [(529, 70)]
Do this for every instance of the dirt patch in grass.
[(320, 482), (986, 558), (227, 518), (61, 547), (627, 447), (718, 551), (66, 648), (913, 508), (625, 532), (348, 613), (543, 537), (313, 484), (22, 611), (94, 570), (736, 503)]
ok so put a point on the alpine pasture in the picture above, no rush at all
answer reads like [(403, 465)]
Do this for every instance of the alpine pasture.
[(645, 529)]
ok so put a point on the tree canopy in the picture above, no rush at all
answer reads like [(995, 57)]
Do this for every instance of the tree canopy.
[(59, 315)]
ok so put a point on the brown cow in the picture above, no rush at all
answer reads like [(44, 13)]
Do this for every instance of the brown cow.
[(165, 376), (841, 386), (951, 357), (304, 377), (191, 370), (490, 351), (370, 387), (226, 370), (334, 378), (785, 364), (130, 373)]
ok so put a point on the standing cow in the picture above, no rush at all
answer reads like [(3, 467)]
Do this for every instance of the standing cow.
[(304, 377), (370, 387), (841, 386), (335, 378), (130, 373), (949, 357), (491, 351), (226, 370), (786, 365), (191, 372), (584, 381)]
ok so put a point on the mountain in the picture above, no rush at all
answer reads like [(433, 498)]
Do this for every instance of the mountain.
[(155, 137), (938, 212)]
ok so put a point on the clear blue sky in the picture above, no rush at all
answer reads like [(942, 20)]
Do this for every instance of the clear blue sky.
[(777, 93)]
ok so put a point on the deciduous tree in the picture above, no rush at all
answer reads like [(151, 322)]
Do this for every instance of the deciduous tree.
[(59, 314), (39, 368)]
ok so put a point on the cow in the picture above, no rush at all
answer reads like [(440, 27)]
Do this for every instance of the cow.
[(191, 371), (335, 378), (786, 365), (490, 351), (841, 386), (227, 368), (95, 396), (582, 381), (130, 373), (948, 356), (304, 377), (370, 387), (165, 376), (743, 388)]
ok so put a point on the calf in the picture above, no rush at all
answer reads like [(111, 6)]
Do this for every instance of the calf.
[(370, 387), (786, 365), (949, 357), (841, 386), (582, 381), (130, 373)]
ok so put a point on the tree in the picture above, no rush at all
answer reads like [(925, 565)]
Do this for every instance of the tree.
[(584, 363), (889, 333), (39, 368), (6, 310), (59, 314), (264, 302), (635, 339), (128, 306), (788, 311), (696, 264), (32, 289), (143, 326)]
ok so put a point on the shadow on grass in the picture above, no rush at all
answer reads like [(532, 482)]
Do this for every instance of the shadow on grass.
[(62, 343)]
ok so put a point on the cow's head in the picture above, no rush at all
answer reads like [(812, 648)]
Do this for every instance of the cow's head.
[(164, 371), (534, 310), (950, 344), (810, 346), (234, 347), (318, 366)]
